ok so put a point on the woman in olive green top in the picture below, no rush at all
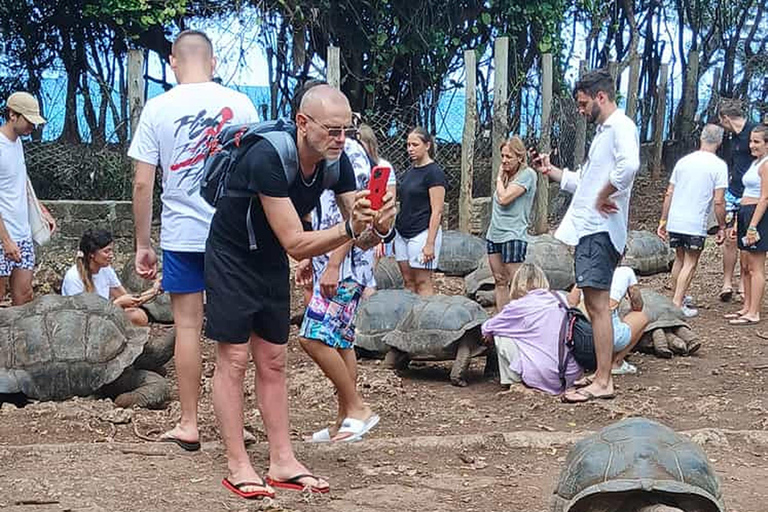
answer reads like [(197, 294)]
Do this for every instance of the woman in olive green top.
[(507, 237)]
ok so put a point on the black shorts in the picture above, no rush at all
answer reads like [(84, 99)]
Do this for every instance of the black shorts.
[(744, 218), (687, 242), (594, 260), (243, 298), (512, 251)]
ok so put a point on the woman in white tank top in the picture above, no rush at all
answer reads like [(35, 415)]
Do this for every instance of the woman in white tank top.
[(752, 229)]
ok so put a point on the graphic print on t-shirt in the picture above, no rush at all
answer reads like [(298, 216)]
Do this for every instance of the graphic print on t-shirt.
[(202, 131)]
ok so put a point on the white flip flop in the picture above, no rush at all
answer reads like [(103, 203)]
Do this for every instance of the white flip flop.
[(321, 436), (357, 428)]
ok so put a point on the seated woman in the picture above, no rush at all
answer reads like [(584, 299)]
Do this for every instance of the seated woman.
[(527, 334), (93, 273), (627, 330)]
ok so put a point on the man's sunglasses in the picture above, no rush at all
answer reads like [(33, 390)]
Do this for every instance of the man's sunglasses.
[(336, 131)]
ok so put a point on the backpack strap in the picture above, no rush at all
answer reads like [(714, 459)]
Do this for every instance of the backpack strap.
[(561, 353), (286, 150), (331, 174)]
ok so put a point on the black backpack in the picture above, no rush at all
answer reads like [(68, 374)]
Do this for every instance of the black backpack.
[(576, 336), (233, 142)]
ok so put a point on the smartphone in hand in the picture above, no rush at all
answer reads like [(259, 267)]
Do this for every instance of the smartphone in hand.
[(377, 185)]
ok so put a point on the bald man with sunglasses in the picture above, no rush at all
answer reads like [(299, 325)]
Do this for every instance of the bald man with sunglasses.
[(247, 279)]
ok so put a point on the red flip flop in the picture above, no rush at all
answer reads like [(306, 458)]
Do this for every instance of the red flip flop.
[(294, 484), (253, 495)]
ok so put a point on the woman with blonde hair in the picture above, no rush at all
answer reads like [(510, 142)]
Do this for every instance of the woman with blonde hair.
[(527, 335), (507, 236)]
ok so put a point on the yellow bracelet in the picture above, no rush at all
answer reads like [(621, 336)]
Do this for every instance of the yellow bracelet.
[(662, 223)]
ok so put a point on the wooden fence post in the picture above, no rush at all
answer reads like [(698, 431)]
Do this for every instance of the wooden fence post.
[(468, 142), (580, 148), (541, 202), (135, 88), (658, 129), (634, 86), (334, 67), (500, 128)]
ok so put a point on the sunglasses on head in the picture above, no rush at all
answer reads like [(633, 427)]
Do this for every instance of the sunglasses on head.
[(334, 131)]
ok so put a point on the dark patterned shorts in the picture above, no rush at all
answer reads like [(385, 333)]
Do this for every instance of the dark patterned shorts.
[(688, 242), (513, 251), (27, 262)]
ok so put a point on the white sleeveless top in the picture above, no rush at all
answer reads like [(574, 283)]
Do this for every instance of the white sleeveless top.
[(751, 179)]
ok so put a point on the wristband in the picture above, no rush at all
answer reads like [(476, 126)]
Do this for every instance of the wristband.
[(662, 223), (752, 229), (348, 229), (385, 235)]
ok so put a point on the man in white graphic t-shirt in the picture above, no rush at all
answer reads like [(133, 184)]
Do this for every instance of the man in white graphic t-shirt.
[(174, 132), (17, 254), (698, 181)]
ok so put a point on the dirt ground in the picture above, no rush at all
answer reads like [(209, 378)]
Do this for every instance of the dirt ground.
[(437, 447)]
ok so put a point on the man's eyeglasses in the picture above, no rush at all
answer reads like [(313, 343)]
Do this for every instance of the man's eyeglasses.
[(336, 131)]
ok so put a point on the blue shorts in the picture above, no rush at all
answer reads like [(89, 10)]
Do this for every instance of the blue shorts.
[(622, 334), (732, 205), (183, 272)]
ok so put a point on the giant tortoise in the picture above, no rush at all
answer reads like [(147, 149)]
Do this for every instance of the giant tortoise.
[(460, 253), (637, 465), (647, 254), (159, 309), (553, 256), (667, 333), (440, 328), (378, 315), (387, 274), (58, 347)]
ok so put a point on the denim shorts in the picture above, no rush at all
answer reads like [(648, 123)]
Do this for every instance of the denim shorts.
[(622, 334)]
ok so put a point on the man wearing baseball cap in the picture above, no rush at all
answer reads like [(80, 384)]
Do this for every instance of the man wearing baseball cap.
[(17, 254)]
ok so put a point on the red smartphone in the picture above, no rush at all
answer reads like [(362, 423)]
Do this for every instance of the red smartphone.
[(377, 185)]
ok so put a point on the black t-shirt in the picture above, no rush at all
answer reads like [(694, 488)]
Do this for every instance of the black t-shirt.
[(735, 152), (259, 171), (413, 191)]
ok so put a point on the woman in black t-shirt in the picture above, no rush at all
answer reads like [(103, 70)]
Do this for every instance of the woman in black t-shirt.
[(422, 193)]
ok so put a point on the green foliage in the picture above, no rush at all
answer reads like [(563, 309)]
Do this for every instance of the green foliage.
[(141, 14)]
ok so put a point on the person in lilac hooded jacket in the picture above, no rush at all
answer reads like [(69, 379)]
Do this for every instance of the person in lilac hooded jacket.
[(527, 333)]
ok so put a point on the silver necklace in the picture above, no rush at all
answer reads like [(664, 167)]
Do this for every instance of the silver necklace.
[(314, 178)]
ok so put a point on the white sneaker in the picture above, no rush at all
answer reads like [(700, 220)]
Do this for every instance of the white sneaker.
[(625, 369), (688, 311)]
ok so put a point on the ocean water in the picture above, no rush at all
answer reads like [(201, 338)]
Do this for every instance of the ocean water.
[(54, 90)]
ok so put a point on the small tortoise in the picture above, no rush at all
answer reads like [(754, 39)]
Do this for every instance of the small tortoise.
[(637, 465), (159, 309), (378, 315), (647, 254), (58, 347), (388, 275), (440, 328), (553, 256), (667, 333), (460, 253)]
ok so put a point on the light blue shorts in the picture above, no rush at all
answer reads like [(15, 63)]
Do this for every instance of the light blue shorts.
[(622, 334)]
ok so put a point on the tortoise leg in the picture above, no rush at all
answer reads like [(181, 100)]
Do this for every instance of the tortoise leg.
[(396, 359), (461, 363), (676, 345), (660, 345), (690, 338), (142, 388), (645, 345)]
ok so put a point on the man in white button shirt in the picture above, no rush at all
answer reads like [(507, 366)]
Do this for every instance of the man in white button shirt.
[(596, 220)]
